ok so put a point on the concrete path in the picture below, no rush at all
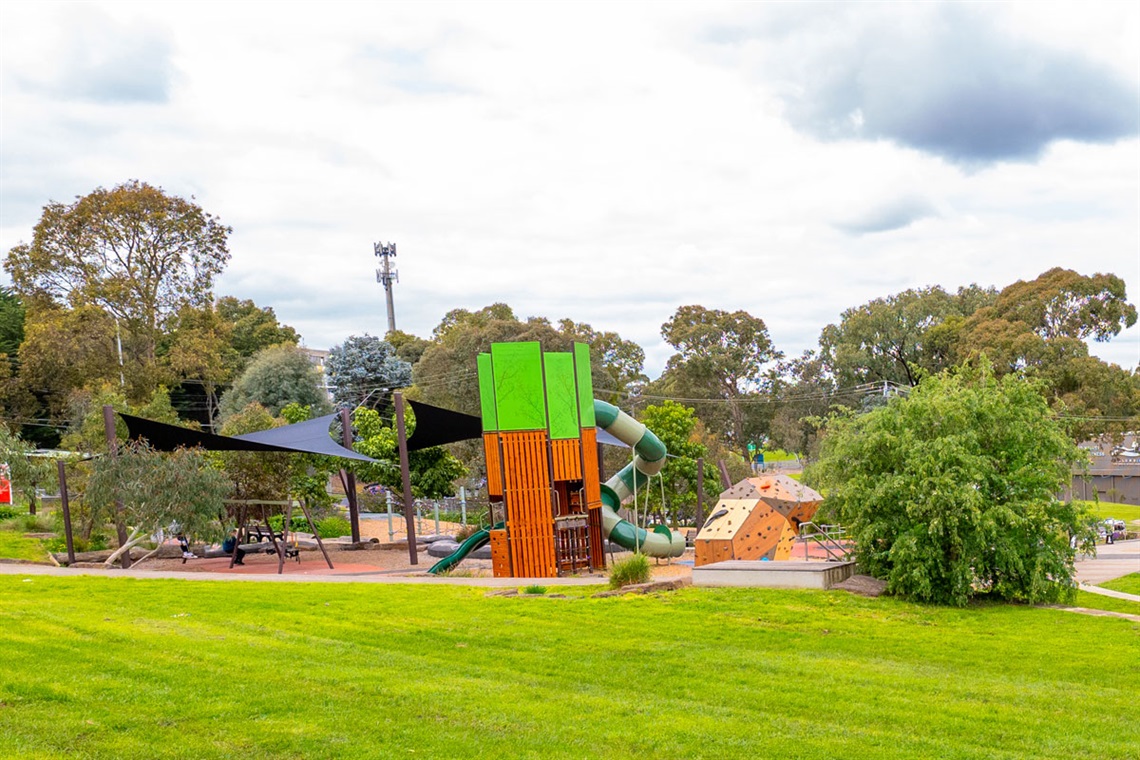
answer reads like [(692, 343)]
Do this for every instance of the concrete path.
[(1111, 561), (367, 577)]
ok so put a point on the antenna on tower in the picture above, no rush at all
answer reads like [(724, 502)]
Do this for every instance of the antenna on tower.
[(386, 275)]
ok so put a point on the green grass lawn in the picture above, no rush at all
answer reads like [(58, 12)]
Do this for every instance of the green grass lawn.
[(1103, 510), (115, 667), (16, 546), (1129, 584)]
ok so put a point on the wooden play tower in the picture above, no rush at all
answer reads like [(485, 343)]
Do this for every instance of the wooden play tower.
[(540, 439)]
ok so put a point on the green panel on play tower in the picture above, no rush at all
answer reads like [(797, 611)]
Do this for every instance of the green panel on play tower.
[(487, 394), (585, 385), (561, 395), (516, 370)]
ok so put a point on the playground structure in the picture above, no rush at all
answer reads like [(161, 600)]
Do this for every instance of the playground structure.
[(757, 519), (550, 513)]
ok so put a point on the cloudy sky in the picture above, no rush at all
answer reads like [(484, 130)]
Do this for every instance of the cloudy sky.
[(604, 162)]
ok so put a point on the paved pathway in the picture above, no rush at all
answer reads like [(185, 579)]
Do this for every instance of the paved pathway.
[(362, 577), (1111, 561)]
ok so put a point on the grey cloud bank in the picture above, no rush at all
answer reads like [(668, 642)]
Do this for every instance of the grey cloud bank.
[(607, 165)]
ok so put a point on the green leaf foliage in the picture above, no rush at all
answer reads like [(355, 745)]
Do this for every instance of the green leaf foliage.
[(950, 491), (433, 470), (277, 376), (676, 426), (365, 367), (157, 489)]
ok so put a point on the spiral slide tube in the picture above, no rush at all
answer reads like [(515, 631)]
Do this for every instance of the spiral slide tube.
[(649, 458)]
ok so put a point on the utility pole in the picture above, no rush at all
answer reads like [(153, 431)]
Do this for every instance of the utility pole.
[(386, 275)]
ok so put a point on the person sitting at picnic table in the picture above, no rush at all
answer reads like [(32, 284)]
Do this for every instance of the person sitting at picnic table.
[(230, 544)]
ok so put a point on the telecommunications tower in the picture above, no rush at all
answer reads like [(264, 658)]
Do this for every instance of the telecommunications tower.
[(386, 274)]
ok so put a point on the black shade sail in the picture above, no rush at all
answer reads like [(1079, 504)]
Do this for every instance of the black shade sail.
[(309, 437), (436, 426)]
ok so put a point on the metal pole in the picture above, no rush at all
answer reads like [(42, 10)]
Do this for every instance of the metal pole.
[(63, 502), (437, 518), (391, 531), (113, 449), (699, 516), (386, 276), (463, 505), (406, 477), (350, 478)]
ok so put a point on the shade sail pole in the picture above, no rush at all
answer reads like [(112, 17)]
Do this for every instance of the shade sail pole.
[(406, 477)]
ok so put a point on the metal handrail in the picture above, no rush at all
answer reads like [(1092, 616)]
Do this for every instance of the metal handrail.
[(832, 533)]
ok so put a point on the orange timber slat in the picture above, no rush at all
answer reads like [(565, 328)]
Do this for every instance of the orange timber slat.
[(590, 466), (494, 474), (527, 494), (567, 459)]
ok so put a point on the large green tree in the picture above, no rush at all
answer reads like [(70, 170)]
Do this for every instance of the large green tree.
[(723, 355), (950, 491), (253, 328), (365, 368), (134, 250), (1063, 303), (899, 338), (277, 377)]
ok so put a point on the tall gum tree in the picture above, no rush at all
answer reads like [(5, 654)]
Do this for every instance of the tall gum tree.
[(134, 250), (727, 355)]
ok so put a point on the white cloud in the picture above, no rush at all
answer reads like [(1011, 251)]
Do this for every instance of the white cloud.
[(605, 163)]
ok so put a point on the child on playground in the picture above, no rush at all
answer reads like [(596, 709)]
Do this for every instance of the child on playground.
[(230, 544), (183, 542)]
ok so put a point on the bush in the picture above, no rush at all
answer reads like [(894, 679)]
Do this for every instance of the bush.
[(949, 492), (535, 590), (630, 571), (58, 544), (466, 532), (333, 527), (7, 511), (296, 523)]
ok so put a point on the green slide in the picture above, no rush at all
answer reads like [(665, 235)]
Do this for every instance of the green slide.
[(649, 457), (473, 542)]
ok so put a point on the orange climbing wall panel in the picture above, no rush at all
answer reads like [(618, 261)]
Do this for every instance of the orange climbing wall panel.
[(494, 474), (500, 554), (526, 491)]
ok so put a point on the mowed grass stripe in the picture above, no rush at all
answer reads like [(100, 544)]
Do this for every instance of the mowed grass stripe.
[(101, 667)]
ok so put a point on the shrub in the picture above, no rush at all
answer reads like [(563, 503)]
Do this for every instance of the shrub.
[(466, 532), (58, 544), (7, 511), (34, 523), (296, 523), (332, 527), (535, 590), (629, 571)]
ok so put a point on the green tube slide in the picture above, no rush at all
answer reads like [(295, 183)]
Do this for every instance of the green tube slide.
[(649, 458)]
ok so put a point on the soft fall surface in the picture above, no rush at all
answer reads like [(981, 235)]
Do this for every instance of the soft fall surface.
[(112, 667)]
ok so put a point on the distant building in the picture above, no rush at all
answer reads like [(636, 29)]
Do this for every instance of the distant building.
[(1113, 473), (319, 359)]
